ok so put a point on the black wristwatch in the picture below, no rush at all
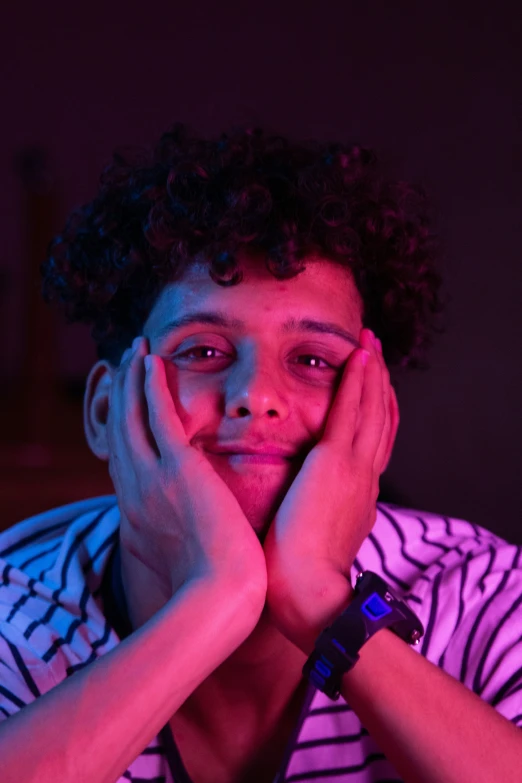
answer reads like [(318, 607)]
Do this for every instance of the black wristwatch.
[(373, 607)]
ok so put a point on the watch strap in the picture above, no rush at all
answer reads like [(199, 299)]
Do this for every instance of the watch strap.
[(373, 607)]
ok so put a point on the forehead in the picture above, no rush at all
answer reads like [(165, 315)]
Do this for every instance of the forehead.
[(323, 288)]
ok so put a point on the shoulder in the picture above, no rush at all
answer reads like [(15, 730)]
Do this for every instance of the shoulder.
[(51, 570), (465, 585), (410, 546), (458, 577), (33, 534)]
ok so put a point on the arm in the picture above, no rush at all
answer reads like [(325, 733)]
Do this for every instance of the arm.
[(429, 725), (94, 724), (432, 728)]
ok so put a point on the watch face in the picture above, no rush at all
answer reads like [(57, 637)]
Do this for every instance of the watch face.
[(375, 607)]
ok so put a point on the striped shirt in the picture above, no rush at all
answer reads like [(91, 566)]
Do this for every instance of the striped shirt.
[(463, 582)]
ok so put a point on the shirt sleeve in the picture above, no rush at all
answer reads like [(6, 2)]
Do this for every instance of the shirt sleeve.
[(474, 626), (23, 675)]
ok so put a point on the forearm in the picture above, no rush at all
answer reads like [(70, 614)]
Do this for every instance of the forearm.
[(94, 724), (431, 727)]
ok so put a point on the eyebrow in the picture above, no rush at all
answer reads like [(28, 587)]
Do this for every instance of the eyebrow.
[(217, 318)]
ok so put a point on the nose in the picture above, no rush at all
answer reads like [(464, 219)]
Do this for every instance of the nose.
[(254, 389)]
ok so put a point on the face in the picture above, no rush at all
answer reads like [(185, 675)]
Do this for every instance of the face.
[(260, 368)]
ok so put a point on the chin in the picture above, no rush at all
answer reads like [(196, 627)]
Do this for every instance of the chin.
[(261, 526), (258, 492), (259, 501), (260, 511)]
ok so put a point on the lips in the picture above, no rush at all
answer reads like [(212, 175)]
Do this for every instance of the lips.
[(255, 459), (264, 449)]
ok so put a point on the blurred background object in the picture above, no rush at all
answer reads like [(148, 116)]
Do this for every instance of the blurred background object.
[(434, 89), (44, 460)]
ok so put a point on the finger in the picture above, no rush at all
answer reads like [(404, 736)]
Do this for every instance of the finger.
[(120, 466), (165, 424), (342, 418), (387, 393), (372, 408), (135, 429)]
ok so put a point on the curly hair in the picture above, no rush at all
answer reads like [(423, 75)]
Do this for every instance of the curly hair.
[(189, 199)]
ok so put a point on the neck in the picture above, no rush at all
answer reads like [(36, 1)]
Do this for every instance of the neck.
[(261, 677)]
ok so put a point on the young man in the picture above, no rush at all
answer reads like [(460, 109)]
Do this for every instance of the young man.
[(161, 634)]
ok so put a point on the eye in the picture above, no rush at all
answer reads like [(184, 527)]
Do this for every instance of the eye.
[(191, 354), (316, 360)]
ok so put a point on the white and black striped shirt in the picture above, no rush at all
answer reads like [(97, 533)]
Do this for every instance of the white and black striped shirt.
[(463, 582)]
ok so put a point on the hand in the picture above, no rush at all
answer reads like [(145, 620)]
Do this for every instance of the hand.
[(331, 506), (178, 517)]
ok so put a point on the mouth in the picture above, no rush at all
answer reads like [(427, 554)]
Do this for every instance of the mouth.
[(238, 458)]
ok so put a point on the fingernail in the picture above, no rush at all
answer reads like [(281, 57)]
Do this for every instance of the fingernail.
[(371, 335), (135, 344), (364, 358)]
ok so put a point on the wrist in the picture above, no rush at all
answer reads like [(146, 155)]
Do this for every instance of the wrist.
[(374, 607), (306, 615)]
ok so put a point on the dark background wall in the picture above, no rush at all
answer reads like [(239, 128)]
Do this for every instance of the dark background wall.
[(434, 88)]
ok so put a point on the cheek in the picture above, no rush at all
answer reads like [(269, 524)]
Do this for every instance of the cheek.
[(312, 412), (195, 402)]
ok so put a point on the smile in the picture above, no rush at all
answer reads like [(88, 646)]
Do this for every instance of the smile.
[(254, 459)]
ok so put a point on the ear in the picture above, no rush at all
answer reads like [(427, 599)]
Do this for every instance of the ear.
[(394, 426), (96, 408)]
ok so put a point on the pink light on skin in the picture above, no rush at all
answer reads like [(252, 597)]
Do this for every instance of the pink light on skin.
[(255, 459)]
